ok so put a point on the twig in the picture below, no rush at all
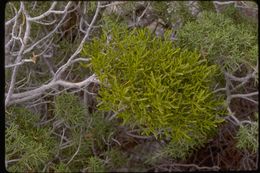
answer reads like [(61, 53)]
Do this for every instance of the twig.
[(219, 89), (28, 95), (139, 137), (241, 79), (10, 161), (15, 17), (77, 148), (68, 63), (116, 141), (62, 137), (52, 32), (116, 113), (19, 63), (215, 168), (224, 3), (113, 4), (244, 95), (197, 167), (141, 16), (18, 59)]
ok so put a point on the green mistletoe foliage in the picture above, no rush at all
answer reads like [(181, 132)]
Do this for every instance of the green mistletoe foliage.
[(150, 85), (220, 40)]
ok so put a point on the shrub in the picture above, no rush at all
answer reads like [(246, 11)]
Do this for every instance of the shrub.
[(70, 109), (73, 113), (238, 16), (247, 137), (86, 131), (29, 145), (207, 5), (220, 40), (153, 86), (172, 12), (117, 159), (32, 147), (101, 129), (95, 165), (61, 168), (178, 150)]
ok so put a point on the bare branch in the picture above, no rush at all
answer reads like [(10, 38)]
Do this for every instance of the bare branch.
[(244, 95), (140, 17), (15, 17), (28, 95), (19, 63), (18, 59), (242, 79), (68, 63), (53, 31), (113, 4)]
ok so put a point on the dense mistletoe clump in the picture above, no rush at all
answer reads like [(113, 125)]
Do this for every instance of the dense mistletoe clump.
[(152, 86)]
